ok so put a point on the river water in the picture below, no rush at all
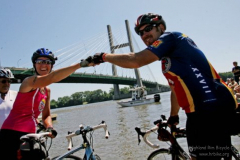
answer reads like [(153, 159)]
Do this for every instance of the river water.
[(122, 143)]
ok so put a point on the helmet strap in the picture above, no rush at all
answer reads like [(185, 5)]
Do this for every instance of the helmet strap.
[(160, 28), (35, 69)]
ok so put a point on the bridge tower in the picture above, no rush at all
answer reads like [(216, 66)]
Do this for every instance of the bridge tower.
[(112, 49)]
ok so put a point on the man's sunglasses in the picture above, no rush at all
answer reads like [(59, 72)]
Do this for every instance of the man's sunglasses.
[(146, 29), (5, 81), (42, 61)]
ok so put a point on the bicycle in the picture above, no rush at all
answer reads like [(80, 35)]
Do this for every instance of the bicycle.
[(175, 151), (87, 144)]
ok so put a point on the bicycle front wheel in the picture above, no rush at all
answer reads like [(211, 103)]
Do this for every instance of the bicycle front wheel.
[(163, 154), (69, 157), (95, 155)]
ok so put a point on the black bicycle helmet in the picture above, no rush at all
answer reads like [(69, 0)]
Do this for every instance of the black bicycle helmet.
[(6, 73), (149, 18), (43, 52)]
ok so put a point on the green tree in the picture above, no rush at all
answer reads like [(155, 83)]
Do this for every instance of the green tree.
[(63, 101), (124, 90), (77, 98), (226, 75), (53, 104)]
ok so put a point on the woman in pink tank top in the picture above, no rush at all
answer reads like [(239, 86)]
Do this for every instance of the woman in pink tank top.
[(33, 98)]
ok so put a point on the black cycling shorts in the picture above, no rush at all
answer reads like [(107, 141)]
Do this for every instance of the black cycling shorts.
[(208, 135), (10, 143)]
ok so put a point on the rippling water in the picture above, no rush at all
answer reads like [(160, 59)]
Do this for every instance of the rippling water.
[(122, 143)]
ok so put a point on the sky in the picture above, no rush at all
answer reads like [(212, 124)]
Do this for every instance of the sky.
[(27, 25)]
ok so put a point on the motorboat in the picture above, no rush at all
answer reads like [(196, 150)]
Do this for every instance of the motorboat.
[(139, 97)]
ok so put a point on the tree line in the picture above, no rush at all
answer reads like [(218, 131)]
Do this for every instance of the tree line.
[(85, 97), (226, 75)]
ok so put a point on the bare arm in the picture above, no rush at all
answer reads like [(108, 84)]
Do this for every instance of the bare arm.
[(46, 114), (174, 104), (38, 81), (235, 70), (132, 60)]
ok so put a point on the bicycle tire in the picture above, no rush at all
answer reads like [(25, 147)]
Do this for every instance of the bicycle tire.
[(163, 154), (69, 157), (96, 157), (236, 157), (235, 153)]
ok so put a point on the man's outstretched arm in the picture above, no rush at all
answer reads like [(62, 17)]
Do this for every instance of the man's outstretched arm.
[(128, 60)]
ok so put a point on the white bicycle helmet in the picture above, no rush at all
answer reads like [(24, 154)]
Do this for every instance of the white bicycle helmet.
[(6, 73)]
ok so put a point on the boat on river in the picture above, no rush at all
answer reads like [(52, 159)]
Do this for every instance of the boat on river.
[(139, 97)]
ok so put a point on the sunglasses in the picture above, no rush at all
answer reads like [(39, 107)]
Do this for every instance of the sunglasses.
[(41, 61), (5, 81), (146, 29)]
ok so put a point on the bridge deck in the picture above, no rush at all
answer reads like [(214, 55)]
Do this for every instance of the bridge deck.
[(21, 73)]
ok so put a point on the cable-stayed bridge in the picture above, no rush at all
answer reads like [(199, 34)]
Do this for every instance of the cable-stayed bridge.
[(105, 73)]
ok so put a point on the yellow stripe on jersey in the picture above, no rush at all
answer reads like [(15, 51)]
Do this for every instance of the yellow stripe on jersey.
[(184, 35), (186, 91), (213, 71)]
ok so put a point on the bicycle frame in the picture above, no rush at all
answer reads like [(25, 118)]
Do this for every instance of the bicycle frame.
[(86, 144), (88, 152)]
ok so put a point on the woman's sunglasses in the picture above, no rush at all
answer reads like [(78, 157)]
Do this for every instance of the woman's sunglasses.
[(5, 81), (42, 61), (146, 29)]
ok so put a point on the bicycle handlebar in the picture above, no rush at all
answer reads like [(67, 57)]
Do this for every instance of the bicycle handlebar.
[(86, 129), (147, 134), (175, 132)]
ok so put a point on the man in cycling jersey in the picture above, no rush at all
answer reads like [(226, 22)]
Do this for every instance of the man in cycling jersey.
[(195, 85), (7, 97)]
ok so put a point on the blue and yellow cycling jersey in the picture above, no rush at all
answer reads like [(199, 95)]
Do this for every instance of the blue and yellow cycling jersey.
[(197, 85)]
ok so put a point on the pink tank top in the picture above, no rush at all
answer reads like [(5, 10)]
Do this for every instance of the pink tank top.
[(26, 110)]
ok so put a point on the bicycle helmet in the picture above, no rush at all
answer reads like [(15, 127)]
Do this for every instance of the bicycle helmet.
[(149, 18), (43, 52), (6, 73)]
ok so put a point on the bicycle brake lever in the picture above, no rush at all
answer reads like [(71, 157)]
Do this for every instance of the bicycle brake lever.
[(163, 117), (138, 130), (139, 140)]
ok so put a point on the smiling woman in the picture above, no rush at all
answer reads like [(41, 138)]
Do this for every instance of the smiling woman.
[(33, 99)]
